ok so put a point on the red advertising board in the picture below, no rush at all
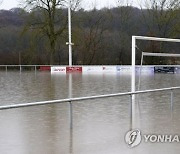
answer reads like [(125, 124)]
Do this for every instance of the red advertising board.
[(45, 68), (74, 69)]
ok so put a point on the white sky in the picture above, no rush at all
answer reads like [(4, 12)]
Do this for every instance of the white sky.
[(8, 4), (87, 4)]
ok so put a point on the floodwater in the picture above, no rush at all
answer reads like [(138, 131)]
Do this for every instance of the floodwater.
[(99, 126)]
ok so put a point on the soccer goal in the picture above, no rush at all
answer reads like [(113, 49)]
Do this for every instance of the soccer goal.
[(145, 38)]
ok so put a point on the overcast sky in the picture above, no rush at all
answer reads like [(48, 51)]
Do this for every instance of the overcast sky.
[(8, 4)]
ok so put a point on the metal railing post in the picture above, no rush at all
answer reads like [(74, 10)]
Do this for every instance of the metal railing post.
[(71, 114), (130, 111), (35, 68), (20, 68), (133, 110), (6, 68), (71, 126), (172, 95)]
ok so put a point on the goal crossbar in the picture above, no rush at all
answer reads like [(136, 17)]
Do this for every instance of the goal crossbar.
[(160, 54), (156, 39)]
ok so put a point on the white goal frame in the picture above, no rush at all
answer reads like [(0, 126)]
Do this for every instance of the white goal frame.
[(133, 63), (160, 54)]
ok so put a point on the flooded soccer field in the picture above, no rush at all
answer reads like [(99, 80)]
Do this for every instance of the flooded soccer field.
[(99, 125)]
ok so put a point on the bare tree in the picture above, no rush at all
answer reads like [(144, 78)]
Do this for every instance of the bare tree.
[(48, 19), (90, 42), (125, 10), (161, 16), (161, 19)]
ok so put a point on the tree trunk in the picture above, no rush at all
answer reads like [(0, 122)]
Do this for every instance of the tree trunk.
[(52, 51)]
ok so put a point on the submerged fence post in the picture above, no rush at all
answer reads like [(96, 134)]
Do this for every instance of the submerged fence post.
[(71, 127), (130, 110), (20, 68), (172, 95), (35, 68), (71, 115)]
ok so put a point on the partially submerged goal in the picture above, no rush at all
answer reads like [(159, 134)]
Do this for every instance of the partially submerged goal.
[(133, 65)]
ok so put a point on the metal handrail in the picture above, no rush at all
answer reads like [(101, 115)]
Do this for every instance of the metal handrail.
[(84, 98)]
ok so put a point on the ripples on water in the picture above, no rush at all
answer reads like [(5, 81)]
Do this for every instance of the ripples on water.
[(99, 125)]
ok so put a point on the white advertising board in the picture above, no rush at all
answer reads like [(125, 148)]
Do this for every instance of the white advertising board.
[(127, 69), (58, 69), (123, 69), (145, 70), (92, 69), (109, 69)]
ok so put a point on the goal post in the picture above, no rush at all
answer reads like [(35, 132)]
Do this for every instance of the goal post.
[(133, 69), (133, 63)]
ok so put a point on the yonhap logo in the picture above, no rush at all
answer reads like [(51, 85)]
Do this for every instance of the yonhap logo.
[(133, 138), (162, 138)]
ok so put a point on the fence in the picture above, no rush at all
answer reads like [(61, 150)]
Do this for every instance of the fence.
[(89, 98), (21, 66), (71, 100)]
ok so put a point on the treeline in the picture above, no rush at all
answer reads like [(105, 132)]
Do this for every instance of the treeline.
[(99, 36)]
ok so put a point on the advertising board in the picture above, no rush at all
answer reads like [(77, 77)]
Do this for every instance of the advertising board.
[(109, 69), (74, 69), (58, 69), (145, 70), (123, 69), (92, 69)]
